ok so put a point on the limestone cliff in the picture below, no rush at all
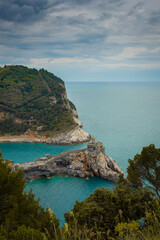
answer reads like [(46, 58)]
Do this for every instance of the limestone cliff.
[(36, 100), (31, 99)]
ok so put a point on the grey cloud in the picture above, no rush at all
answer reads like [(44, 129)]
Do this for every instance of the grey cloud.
[(23, 10), (77, 27), (36, 4), (80, 2), (155, 18), (115, 1), (135, 8), (13, 12), (16, 13)]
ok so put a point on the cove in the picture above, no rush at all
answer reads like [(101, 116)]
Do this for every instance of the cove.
[(124, 116)]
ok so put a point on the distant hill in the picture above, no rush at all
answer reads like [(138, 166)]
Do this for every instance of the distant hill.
[(36, 100)]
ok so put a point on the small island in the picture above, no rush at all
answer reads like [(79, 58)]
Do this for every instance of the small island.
[(83, 163)]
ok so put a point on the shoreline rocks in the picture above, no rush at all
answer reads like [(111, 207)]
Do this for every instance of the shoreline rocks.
[(88, 162), (73, 136)]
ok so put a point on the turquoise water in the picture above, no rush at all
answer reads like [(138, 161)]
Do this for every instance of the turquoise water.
[(60, 193), (124, 116)]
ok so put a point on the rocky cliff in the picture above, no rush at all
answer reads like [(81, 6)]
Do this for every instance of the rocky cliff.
[(36, 101), (88, 162)]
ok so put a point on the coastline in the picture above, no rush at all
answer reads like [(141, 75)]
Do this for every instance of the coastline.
[(70, 137)]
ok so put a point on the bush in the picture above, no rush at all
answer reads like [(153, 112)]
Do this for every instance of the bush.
[(19, 211), (104, 209)]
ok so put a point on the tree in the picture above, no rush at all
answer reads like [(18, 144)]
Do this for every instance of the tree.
[(19, 211), (145, 169), (105, 208), (146, 229)]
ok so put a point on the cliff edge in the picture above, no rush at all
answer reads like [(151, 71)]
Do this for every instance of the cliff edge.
[(34, 107)]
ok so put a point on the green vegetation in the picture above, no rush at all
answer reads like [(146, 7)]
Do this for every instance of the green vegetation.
[(11, 127), (33, 98), (145, 169), (20, 213), (124, 213), (104, 210)]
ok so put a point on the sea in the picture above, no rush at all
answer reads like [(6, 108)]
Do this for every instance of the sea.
[(125, 116)]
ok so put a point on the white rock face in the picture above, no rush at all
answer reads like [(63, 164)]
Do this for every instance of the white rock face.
[(76, 135), (77, 121), (100, 164), (73, 136), (113, 165)]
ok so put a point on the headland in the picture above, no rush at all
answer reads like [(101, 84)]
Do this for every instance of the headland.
[(83, 163)]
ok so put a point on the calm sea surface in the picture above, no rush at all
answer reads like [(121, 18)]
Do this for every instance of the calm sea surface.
[(124, 116)]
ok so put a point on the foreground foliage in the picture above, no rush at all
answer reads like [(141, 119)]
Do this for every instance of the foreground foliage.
[(20, 214), (145, 169), (105, 209), (149, 230), (124, 213)]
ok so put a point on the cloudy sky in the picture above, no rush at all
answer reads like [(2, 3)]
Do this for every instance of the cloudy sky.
[(83, 40)]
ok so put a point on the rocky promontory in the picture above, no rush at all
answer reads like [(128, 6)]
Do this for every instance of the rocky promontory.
[(34, 107), (88, 162)]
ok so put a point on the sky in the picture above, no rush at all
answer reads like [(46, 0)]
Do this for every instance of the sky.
[(83, 40)]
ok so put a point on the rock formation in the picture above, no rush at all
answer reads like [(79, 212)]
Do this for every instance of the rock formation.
[(91, 161)]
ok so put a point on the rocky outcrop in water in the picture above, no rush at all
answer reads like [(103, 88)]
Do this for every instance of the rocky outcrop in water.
[(88, 162)]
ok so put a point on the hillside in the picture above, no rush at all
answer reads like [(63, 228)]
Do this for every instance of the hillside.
[(36, 100)]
